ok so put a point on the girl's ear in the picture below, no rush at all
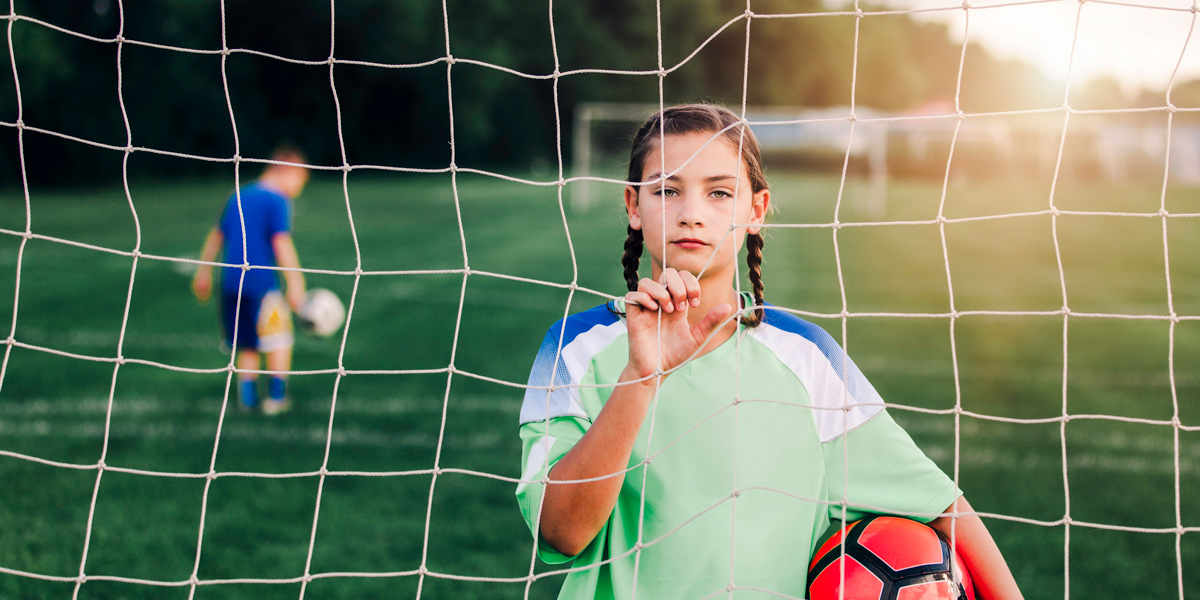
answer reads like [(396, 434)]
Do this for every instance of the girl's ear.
[(760, 206), (631, 207)]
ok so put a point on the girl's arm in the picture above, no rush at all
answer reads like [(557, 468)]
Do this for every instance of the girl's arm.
[(989, 572), (572, 514)]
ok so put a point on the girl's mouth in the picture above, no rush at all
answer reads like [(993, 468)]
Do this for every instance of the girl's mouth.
[(689, 243)]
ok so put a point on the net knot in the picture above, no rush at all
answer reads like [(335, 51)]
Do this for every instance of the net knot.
[(211, 475), (100, 464), (858, 12), (341, 372), (1066, 310), (450, 59), (1162, 212), (120, 360), (966, 5), (1174, 319), (1172, 108), (20, 124), (662, 73)]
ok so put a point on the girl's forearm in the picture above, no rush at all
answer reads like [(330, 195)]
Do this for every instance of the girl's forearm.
[(983, 560), (573, 513)]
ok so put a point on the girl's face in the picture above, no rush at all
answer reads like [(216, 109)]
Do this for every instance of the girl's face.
[(691, 210)]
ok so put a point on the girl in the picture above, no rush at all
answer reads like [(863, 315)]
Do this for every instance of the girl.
[(691, 452)]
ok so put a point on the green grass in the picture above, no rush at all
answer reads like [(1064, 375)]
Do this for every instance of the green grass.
[(72, 299)]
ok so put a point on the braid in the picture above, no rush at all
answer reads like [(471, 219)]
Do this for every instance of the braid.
[(631, 257), (754, 248)]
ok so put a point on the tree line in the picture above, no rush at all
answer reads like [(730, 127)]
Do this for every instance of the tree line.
[(388, 111)]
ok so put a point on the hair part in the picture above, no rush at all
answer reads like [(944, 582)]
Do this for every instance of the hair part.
[(729, 128)]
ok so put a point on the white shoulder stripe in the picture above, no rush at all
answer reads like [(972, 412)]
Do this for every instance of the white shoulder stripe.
[(563, 399), (837, 407)]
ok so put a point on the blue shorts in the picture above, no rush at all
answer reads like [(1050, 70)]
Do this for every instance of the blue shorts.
[(264, 321)]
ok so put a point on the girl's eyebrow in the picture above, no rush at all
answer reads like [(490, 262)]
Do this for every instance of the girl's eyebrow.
[(712, 179)]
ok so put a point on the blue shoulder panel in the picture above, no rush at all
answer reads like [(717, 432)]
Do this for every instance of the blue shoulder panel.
[(549, 364)]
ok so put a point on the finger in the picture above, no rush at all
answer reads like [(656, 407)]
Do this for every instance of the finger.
[(712, 320), (662, 297), (641, 300), (674, 284), (693, 287)]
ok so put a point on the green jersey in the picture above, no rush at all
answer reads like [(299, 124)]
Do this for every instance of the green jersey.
[(745, 455)]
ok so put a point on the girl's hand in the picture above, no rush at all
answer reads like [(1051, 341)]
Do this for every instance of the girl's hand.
[(673, 296)]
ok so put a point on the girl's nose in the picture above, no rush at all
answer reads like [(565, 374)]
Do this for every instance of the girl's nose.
[(690, 213)]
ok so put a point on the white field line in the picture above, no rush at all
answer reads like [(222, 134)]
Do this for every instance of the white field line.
[(894, 364), (156, 418), (258, 431), (153, 406)]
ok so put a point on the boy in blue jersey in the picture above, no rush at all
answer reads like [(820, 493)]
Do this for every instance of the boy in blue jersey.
[(253, 305)]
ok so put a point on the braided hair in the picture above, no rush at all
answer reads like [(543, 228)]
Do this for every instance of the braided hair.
[(699, 118)]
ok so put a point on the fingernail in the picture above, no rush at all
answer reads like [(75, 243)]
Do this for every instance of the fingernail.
[(695, 302), (682, 305)]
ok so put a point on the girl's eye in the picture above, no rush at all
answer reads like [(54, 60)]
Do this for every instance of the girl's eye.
[(666, 192), (722, 194)]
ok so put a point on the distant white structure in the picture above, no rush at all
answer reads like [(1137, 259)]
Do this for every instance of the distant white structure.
[(1112, 147)]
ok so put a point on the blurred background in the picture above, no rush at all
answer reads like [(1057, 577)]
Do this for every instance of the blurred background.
[(1079, 433)]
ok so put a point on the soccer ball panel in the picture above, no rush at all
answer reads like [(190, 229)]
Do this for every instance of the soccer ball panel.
[(861, 583), (929, 590), (901, 544)]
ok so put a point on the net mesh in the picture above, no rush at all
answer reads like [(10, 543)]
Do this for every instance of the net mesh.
[(1068, 522)]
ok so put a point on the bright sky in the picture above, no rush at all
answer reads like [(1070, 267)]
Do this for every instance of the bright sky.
[(1139, 42)]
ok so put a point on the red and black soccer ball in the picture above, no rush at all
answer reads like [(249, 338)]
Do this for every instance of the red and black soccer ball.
[(888, 558)]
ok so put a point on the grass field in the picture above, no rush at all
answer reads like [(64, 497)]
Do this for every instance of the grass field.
[(147, 527)]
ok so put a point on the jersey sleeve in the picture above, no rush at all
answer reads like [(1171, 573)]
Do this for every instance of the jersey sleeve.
[(543, 444), (279, 218), (877, 468)]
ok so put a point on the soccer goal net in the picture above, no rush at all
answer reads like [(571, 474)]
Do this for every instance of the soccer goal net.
[(1006, 250)]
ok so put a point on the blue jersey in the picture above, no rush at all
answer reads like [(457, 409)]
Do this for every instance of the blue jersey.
[(266, 213)]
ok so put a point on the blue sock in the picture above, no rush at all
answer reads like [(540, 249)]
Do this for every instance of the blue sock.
[(277, 388), (249, 393)]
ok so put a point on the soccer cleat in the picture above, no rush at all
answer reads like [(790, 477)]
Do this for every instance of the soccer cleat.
[(276, 406)]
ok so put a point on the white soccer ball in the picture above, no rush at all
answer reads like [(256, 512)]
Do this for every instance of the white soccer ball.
[(322, 313)]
